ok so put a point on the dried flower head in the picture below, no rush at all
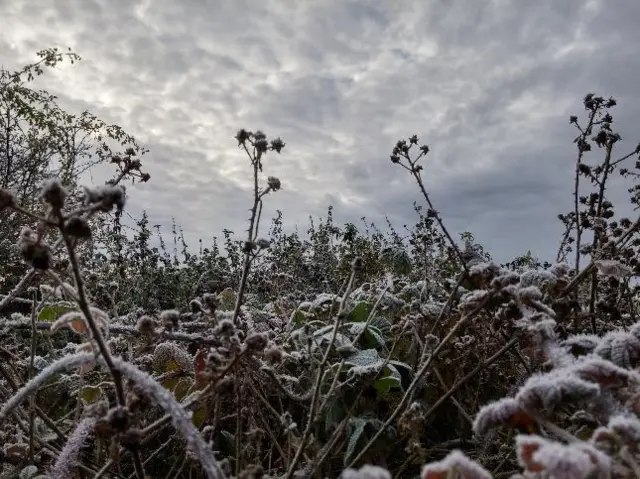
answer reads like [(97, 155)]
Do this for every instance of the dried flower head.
[(54, 193), (78, 227), (256, 342), (170, 319), (34, 252), (273, 183)]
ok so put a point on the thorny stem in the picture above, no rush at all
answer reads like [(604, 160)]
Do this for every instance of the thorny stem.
[(587, 269), (594, 278), (583, 137), (316, 389), (252, 231), (414, 169)]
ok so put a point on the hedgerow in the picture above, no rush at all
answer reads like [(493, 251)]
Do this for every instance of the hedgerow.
[(347, 351)]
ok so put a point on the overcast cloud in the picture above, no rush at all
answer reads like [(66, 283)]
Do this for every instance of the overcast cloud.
[(489, 85)]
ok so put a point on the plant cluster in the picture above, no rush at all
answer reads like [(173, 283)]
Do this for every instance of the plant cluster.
[(349, 352)]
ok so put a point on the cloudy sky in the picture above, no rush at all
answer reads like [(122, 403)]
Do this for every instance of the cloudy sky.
[(487, 84)]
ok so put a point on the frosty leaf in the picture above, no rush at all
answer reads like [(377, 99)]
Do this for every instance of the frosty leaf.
[(169, 357), (366, 472), (505, 412), (622, 348), (364, 362), (612, 268), (550, 390), (456, 464), (580, 344), (603, 372), (405, 371), (626, 426), (573, 461), (356, 426), (371, 335)]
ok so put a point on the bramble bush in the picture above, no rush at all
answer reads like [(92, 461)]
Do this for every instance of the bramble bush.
[(346, 352)]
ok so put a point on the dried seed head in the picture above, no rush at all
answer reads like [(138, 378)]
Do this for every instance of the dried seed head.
[(211, 301), (146, 325), (78, 227), (242, 136), (224, 328), (170, 319), (105, 196), (131, 439), (54, 193), (273, 354), (277, 145), (256, 342), (118, 418), (195, 306), (274, 183), (36, 254)]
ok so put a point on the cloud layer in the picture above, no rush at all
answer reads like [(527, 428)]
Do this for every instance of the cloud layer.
[(488, 85)]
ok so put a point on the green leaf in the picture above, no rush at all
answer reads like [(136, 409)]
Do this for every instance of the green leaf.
[(90, 394), (360, 313), (391, 378), (298, 317), (357, 426), (335, 414), (199, 415), (53, 312), (383, 385), (227, 299)]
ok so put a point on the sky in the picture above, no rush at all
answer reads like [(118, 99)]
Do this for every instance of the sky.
[(489, 85)]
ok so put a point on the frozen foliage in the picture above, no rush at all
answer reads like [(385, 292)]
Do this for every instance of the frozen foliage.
[(167, 353), (496, 414), (573, 461), (161, 396), (626, 426), (620, 347), (613, 268), (179, 417), (550, 390), (67, 362), (65, 462), (538, 279), (366, 472), (456, 464), (580, 344)]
